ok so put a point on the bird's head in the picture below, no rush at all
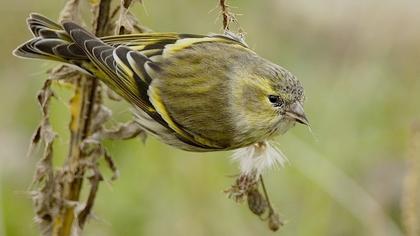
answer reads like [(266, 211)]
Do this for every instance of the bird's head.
[(270, 101), (286, 96)]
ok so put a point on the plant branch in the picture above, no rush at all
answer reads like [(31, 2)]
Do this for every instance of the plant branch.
[(82, 107), (225, 14)]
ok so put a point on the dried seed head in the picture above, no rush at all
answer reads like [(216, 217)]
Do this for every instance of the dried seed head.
[(256, 202), (274, 221), (242, 185)]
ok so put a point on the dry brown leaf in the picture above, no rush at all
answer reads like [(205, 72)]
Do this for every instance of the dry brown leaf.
[(243, 184), (101, 116), (63, 73), (125, 131), (70, 12), (45, 198)]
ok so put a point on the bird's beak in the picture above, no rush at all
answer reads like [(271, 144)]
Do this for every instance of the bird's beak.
[(296, 112)]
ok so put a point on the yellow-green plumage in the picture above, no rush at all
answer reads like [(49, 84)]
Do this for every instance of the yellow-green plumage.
[(198, 93)]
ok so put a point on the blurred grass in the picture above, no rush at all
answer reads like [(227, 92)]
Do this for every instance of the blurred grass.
[(359, 63)]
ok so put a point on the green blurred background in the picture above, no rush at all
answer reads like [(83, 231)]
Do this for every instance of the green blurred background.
[(359, 62)]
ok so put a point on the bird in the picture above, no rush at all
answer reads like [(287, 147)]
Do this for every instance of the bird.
[(198, 93)]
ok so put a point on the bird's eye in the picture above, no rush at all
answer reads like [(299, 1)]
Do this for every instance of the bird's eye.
[(275, 100)]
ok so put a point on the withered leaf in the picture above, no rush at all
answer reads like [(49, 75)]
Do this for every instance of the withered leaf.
[(256, 202), (70, 12)]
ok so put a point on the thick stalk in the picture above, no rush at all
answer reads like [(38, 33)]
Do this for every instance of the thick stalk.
[(82, 110)]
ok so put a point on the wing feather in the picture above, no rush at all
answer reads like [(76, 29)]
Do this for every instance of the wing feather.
[(132, 84), (102, 56), (130, 63)]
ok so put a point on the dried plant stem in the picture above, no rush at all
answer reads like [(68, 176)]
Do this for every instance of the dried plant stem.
[(56, 194), (81, 106), (274, 222), (228, 17), (225, 14), (270, 208)]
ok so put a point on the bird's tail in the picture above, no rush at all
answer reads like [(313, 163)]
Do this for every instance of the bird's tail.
[(50, 42), (72, 44)]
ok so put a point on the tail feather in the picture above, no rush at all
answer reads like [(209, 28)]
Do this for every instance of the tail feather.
[(51, 42), (92, 46), (75, 31), (70, 52), (37, 22), (43, 27), (70, 43), (28, 50), (48, 45)]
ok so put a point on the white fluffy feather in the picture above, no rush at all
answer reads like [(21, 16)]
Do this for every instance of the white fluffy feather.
[(258, 157)]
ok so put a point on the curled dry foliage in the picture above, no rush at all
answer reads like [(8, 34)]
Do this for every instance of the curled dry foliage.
[(56, 192), (44, 196), (124, 22), (70, 11), (229, 17)]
